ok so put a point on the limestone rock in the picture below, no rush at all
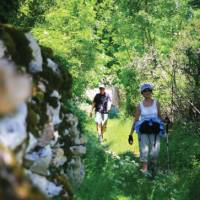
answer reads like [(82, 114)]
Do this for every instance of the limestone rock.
[(47, 136), (77, 171), (6, 156), (49, 188), (15, 184), (32, 143), (15, 88), (72, 120), (40, 160), (13, 128), (53, 65), (41, 86), (79, 140), (56, 94), (54, 113), (36, 63), (2, 49), (78, 150), (58, 157)]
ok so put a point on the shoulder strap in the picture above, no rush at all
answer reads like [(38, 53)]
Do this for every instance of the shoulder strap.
[(141, 106), (155, 104)]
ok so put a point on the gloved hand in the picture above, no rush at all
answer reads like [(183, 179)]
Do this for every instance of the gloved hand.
[(130, 139)]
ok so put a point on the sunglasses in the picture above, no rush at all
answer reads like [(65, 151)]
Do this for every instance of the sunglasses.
[(147, 90)]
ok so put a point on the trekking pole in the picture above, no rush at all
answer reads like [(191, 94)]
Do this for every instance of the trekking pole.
[(167, 127)]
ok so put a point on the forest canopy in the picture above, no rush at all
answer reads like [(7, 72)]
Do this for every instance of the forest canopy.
[(121, 43)]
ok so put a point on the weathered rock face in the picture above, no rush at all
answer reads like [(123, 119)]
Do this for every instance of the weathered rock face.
[(37, 127), (14, 184)]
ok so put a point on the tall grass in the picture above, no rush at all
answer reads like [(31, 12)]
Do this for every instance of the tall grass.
[(112, 170), (116, 136)]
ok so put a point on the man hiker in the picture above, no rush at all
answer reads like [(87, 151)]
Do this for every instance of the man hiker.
[(149, 126), (102, 104)]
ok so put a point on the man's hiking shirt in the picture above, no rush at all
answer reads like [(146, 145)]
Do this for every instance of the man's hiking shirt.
[(101, 102)]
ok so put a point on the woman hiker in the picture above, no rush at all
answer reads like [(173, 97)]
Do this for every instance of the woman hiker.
[(149, 126)]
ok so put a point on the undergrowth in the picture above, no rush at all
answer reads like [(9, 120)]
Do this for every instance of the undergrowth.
[(111, 176)]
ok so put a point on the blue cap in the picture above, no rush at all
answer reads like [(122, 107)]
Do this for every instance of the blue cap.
[(146, 86)]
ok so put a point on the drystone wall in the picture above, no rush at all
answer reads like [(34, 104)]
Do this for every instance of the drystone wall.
[(40, 144)]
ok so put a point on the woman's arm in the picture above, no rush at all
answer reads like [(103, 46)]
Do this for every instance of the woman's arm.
[(137, 116), (159, 111)]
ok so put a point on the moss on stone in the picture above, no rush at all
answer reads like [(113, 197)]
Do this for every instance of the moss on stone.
[(66, 185), (46, 52), (60, 179), (37, 117), (54, 80), (53, 101), (40, 96), (43, 115), (64, 80), (17, 45), (8, 41), (32, 120), (66, 83)]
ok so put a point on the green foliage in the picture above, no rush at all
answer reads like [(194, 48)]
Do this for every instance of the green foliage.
[(16, 44), (129, 80), (31, 12), (8, 10), (123, 43), (181, 140), (67, 29), (194, 3), (98, 41), (117, 175), (185, 165), (193, 187)]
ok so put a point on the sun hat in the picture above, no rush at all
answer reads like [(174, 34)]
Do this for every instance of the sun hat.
[(146, 86), (101, 86)]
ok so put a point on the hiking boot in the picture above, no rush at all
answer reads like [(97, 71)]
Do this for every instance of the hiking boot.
[(100, 139), (145, 173), (153, 168)]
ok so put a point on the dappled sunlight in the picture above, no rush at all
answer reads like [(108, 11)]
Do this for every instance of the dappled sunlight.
[(121, 197), (116, 136), (66, 66), (117, 172)]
